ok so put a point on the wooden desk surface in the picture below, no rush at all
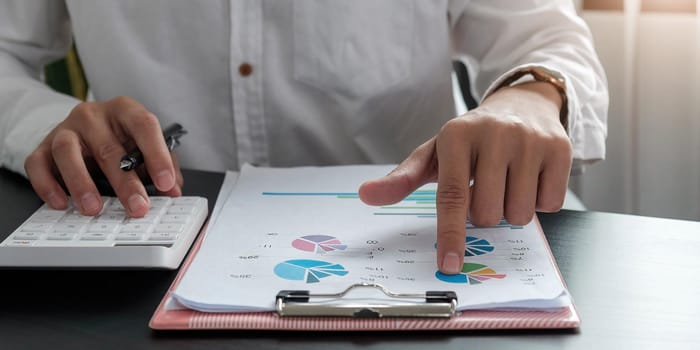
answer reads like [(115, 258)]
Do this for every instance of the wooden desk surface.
[(635, 281)]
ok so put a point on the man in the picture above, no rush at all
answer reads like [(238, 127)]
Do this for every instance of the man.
[(285, 83)]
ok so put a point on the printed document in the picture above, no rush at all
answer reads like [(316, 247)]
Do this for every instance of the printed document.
[(306, 229)]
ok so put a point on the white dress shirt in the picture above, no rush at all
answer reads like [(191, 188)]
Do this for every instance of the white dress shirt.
[(290, 82)]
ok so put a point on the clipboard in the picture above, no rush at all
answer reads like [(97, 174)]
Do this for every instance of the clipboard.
[(168, 317), (301, 303)]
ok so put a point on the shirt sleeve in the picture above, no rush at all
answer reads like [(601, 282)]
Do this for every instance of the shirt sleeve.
[(497, 37), (32, 34)]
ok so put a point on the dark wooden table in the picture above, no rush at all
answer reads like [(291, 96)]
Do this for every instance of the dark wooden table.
[(635, 281)]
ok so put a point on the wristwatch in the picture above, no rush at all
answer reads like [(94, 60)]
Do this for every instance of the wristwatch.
[(544, 75)]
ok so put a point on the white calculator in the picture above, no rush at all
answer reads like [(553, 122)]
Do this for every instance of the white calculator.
[(65, 238)]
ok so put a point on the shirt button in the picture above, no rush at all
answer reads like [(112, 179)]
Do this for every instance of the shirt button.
[(245, 69)]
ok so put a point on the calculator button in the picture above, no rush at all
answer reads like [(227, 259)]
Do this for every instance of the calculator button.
[(163, 236), (181, 209), (28, 236), (157, 211), (159, 202), (60, 236), (148, 219), (174, 218), (114, 211), (76, 218), (36, 226), (19, 243), (68, 227), (93, 236), (48, 210), (140, 228), (111, 218), (177, 228), (185, 201), (46, 216), (103, 227), (116, 205), (129, 236)]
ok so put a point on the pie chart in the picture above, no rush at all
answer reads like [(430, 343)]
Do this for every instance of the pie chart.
[(319, 244), (309, 271), (471, 274), (477, 246)]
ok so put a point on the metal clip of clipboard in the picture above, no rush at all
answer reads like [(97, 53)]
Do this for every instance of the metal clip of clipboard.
[(298, 303)]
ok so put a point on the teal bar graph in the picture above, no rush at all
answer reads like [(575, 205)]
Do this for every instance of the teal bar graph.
[(419, 204)]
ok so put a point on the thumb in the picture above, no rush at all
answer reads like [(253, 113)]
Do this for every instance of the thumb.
[(415, 171)]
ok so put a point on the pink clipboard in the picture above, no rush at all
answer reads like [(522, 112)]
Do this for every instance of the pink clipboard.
[(167, 318)]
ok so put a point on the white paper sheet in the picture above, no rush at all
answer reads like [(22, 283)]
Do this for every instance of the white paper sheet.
[(227, 186), (306, 229)]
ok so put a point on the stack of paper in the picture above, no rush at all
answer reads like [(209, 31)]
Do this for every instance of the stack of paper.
[(306, 229)]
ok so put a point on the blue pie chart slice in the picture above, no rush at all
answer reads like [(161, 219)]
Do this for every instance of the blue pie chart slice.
[(309, 271), (477, 246)]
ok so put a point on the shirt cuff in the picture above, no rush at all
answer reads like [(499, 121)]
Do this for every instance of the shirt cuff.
[(24, 138)]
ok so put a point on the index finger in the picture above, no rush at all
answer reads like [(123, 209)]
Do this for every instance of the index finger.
[(144, 129), (452, 200)]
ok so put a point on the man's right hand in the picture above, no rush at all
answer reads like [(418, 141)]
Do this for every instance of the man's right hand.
[(99, 134)]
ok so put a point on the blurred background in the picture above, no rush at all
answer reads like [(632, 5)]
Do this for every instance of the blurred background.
[(650, 51)]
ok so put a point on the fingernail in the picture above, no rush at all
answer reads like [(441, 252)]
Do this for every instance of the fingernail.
[(137, 203), (165, 180), (90, 203), (450, 263)]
